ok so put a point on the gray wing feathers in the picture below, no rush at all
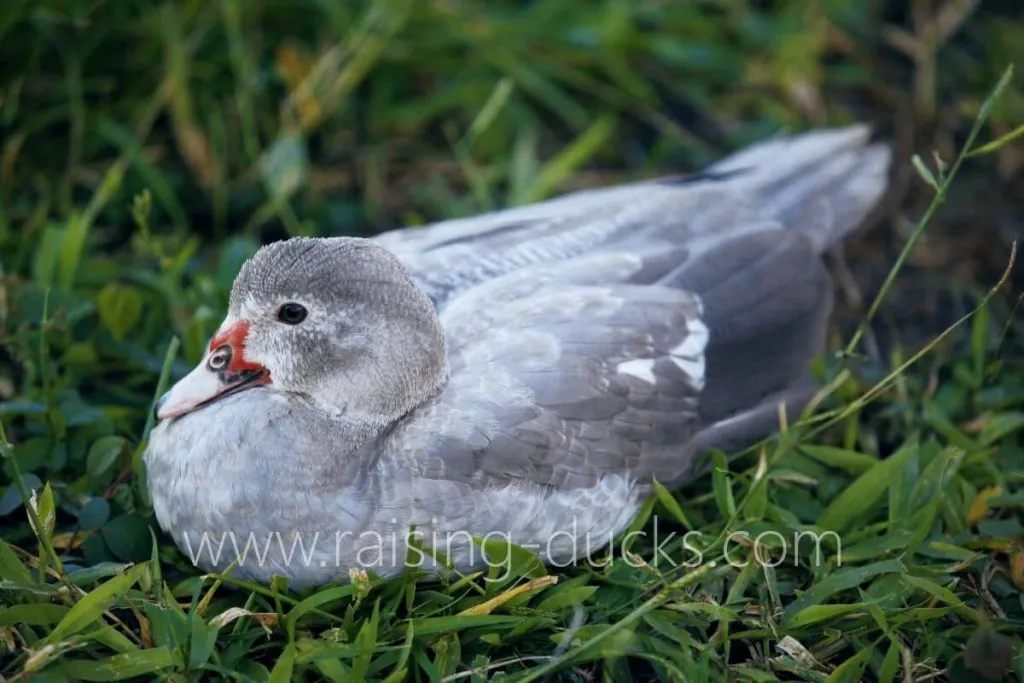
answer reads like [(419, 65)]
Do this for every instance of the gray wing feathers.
[(624, 330), (562, 381), (734, 434), (821, 183), (767, 311)]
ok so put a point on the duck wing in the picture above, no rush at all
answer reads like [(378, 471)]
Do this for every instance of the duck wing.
[(628, 336), (819, 183)]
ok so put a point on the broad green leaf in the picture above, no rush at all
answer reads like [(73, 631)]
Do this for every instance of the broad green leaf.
[(112, 638), (366, 641), (840, 458), (717, 612), (924, 172), (935, 416), (103, 454), (508, 561), (41, 614), (94, 514), (947, 551), (938, 474), (722, 485), (120, 308), (11, 567), (876, 548), (742, 583), (333, 670), (1001, 425), (46, 512), (942, 593), (878, 615), (865, 492), (128, 537), (671, 504), (282, 671), (837, 582), (202, 639), (813, 614), (435, 625), (1013, 500), (73, 239), (92, 606), (120, 667), (313, 602), (103, 570), (891, 663), (168, 625), (448, 654), (410, 633), (852, 670), (638, 523), (901, 490), (756, 503), (743, 673), (667, 624), (918, 615), (47, 253), (569, 597)]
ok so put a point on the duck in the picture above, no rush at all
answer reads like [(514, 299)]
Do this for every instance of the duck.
[(528, 375)]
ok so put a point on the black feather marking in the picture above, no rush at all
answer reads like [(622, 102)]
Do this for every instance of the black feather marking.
[(706, 176)]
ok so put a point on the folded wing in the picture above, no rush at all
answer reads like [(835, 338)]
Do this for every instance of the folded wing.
[(626, 330)]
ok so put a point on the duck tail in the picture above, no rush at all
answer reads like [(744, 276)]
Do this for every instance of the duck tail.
[(823, 183)]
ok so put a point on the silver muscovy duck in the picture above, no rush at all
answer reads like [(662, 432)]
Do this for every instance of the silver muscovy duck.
[(520, 375)]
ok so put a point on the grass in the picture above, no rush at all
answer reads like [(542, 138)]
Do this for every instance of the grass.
[(147, 148)]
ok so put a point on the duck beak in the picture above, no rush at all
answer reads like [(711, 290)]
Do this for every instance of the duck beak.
[(223, 371)]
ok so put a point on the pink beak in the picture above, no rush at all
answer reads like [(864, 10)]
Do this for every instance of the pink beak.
[(223, 371)]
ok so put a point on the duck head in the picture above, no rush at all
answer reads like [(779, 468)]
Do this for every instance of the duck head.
[(337, 321)]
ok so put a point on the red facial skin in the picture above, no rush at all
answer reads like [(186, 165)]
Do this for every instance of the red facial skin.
[(234, 337)]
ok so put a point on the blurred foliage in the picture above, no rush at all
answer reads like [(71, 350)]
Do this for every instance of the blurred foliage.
[(358, 115)]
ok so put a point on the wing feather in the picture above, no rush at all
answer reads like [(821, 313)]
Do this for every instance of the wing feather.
[(544, 374), (821, 184), (624, 330)]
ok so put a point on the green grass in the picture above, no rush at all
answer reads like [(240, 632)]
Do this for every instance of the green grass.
[(147, 148)]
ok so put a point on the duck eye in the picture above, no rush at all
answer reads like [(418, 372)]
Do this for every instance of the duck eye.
[(292, 313), (219, 359)]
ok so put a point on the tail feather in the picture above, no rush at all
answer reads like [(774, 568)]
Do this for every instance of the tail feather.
[(822, 183)]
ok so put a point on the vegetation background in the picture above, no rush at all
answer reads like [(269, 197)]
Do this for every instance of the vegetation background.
[(147, 148)]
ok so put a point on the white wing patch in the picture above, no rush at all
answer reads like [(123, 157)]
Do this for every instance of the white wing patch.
[(641, 368), (689, 355)]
